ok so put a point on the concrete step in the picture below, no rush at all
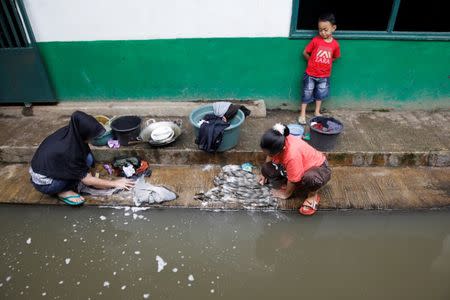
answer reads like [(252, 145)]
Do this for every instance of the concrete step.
[(350, 187), (370, 138)]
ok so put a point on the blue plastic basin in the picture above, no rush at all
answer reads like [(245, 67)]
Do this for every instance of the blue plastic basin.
[(232, 132)]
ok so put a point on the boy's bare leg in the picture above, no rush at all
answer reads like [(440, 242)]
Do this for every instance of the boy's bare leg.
[(302, 117), (317, 110)]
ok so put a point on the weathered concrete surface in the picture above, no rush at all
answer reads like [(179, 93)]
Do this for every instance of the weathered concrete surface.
[(139, 108), (397, 138), (350, 187)]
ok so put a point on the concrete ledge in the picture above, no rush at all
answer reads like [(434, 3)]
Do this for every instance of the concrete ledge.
[(391, 139), (349, 188), (140, 108)]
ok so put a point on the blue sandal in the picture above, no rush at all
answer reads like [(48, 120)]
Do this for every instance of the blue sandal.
[(70, 202)]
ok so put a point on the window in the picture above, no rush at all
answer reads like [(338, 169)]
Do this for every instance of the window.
[(375, 19), (429, 15)]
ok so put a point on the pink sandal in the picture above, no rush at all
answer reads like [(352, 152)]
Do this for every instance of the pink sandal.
[(308, 209)]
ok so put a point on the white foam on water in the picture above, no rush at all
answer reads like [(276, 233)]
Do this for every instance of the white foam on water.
[(212, 291), (135, 209), (8, 278), (137, 252), (174, 270), (103, 218), (44, 293), (61, 282), (145, 296), (161, 263), (191, 277), (29, 241), (106, 284), (134, 216), (67, 260), (123, 287), (207, 167)]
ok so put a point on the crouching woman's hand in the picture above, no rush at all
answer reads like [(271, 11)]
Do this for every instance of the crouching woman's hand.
[(122, 183)]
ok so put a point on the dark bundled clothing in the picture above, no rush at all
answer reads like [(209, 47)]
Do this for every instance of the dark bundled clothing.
[(211, 133), (233, 109), (62, 155)]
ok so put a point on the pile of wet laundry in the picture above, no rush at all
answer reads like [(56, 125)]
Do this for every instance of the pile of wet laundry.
[(130, 167), (236, 184), (135, 168), (328, 125), (212, 126)]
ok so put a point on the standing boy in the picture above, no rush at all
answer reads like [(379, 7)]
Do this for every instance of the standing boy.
[(320, 54)]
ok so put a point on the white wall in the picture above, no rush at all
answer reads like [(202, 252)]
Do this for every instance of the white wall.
[(83, 20)]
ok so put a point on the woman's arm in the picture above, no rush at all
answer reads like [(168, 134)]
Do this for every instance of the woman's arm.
[(122, 183), (263, 180)]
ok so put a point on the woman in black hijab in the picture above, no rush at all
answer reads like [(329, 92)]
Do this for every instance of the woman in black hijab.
[(64, 158)]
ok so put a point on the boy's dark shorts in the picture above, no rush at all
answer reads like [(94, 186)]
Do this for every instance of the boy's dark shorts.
[(315, 88), (312, 180)]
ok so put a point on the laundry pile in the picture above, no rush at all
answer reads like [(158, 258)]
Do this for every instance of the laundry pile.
[(144, 192), (235, 185), (131, 167), (326, 125)]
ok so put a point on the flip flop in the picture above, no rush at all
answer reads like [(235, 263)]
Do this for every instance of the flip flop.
[(309, 209), (70, 202)]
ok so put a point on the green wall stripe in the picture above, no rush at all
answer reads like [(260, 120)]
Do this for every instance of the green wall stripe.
[(370, 73)]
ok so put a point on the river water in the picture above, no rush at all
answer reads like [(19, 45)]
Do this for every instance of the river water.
[(50, 252)]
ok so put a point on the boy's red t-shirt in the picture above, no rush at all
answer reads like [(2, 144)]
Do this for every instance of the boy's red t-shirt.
[(322, 55), (298, 157)]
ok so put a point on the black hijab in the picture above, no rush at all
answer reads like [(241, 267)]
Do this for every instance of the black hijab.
[(62, 154)]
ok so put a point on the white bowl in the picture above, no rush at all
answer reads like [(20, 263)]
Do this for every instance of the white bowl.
[(162, 133)]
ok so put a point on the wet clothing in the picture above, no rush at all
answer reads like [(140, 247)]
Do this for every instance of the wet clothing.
[(211, 133), (322, 55), (62, 155), (220, 108), (297, 158)]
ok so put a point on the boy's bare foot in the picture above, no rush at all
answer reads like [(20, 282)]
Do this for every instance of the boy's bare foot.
[(317, 114), (302, 120)]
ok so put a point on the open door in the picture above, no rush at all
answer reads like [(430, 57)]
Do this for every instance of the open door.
[(23, 77)]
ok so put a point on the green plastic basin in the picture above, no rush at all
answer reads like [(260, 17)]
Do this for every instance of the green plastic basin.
[(232, 132)]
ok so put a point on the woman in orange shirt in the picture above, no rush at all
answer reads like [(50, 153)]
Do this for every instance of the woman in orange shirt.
[(292, 164)]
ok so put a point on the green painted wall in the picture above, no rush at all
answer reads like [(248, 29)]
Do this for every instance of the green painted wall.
[(369, 74)]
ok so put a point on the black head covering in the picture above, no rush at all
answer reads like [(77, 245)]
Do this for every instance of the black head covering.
[(62, 154)]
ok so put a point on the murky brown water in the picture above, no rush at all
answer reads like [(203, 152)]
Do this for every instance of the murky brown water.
[(100, 253)]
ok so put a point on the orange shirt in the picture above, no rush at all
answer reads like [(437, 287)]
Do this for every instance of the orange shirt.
[(298, 157)]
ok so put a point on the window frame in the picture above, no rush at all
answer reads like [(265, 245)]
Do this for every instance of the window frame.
[(389, 34)]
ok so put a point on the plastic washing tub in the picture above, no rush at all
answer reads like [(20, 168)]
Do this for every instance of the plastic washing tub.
[(231, 133), (324, 140)]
